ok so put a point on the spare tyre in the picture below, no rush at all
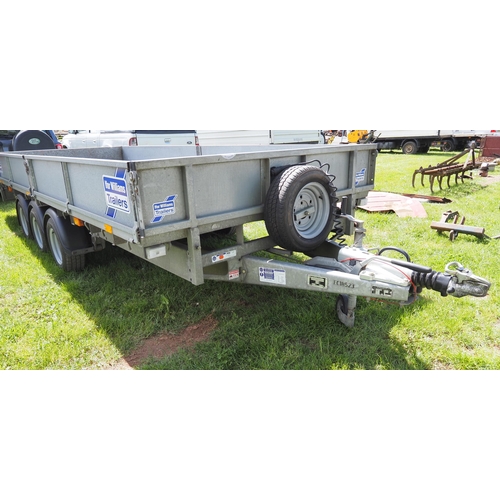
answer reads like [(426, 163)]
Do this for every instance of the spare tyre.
[(27, 140), (300, 208)]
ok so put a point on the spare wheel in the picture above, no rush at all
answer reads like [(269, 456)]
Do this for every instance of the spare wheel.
[(300, 208), (27, 140)]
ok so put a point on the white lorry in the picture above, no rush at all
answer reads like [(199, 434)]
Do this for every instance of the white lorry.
[(112, 138), (462, 139), (259, 137), (419, 141)]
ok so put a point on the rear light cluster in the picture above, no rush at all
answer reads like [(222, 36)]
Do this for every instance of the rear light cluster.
[(132, 141)]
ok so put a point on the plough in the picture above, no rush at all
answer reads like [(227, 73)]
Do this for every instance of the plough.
[(447, 169)]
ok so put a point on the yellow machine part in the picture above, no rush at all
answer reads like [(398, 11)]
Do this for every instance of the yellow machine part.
[(356, 135)]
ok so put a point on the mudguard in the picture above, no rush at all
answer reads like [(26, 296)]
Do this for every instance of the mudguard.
[(74, 239), (24, 204), (40, 211)]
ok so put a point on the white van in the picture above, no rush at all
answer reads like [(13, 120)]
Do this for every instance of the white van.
[(259, 137), (111, 138)]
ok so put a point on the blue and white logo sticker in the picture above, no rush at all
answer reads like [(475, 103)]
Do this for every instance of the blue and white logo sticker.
[(164, 208), (116, 192), (360, 176)]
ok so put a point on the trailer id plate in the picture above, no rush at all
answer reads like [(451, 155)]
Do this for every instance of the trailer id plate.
[(276, 276), (116, 191)]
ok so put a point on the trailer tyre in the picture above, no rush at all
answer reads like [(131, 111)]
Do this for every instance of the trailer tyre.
[(342, 304), (63, 259), (300, 208), (22, 211), (36, 226)]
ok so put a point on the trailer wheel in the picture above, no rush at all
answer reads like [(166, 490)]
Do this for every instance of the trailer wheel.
[(63, 259), (36, 226), (342, 304), (299, 210), (22, 216), (410, 148)]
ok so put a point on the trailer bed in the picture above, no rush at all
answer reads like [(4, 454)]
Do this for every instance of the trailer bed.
[(146, 197), (151, 194)]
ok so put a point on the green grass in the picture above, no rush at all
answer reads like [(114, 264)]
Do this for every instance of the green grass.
[(55, 320)]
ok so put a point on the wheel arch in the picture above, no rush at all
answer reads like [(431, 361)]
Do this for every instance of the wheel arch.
[(22, 204), (73, 238), (21, 199), (40, 210)]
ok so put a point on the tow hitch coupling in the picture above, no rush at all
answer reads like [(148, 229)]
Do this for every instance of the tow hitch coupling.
[(463, 282)]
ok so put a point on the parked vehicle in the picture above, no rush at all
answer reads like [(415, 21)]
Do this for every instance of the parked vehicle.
[(54, 138), (111, 138), (24, 140), (409, 141), (157, 202), (420, 141), (259, 137), (463, 139), (17, 140)]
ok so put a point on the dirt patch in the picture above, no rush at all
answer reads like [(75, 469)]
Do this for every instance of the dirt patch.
[(165, 344), (491, 179), (439, 365)]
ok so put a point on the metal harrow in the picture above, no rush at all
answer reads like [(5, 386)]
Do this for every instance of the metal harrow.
[(447, 169), (450, 222)]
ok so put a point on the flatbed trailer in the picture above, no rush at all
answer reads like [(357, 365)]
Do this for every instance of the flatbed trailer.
[(158, 203)]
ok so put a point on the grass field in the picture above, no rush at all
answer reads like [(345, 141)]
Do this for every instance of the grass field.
[(55, 320)]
